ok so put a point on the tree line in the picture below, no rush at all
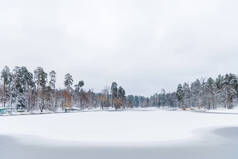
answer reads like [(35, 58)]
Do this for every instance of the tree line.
[(211, 93), (36, 91), (205, 93)]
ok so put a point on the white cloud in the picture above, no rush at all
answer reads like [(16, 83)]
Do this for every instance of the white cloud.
[(143, 45)]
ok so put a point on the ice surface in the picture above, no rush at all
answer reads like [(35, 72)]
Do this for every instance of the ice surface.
[(137, 134), (112, 127)]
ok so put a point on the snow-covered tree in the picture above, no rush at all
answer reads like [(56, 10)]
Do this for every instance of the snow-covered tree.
[(77, 91), (180, 95), (229, 91), (28, 84), (195, 92), (114, 91), (121, 93), (23, 84), (52, 82), (104, 99), (68, 81), (187, 95), (40, 77), (51, 90), (7, 78), (162, 98), (212, 91), (79, 86)]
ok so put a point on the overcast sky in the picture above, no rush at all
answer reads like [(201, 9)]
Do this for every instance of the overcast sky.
[(143, 45)]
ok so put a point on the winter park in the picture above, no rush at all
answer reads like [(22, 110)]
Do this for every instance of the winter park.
[(118, 79)]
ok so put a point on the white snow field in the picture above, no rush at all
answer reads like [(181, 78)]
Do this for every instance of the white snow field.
[(140, 134)]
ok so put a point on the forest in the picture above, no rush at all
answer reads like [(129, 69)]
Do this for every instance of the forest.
[(25, 91)]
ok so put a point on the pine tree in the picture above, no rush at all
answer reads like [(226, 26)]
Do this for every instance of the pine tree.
[(180, 95), (52, 81), (187, 95), (79, 86), (7, 78), (121, 95), (137, 102), (229, 91), (20, 87), (121, 92), (211, 89), (114, 91), (77, 91), (130, 100), (196, 93), (162, 98), (28, 85), (52, 90), (68, 82), (40, 77)]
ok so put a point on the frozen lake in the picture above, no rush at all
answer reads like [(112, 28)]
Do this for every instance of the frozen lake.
[(227, 149), (135, 134)]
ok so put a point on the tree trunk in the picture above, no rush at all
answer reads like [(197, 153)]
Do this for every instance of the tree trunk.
[(4, 93)]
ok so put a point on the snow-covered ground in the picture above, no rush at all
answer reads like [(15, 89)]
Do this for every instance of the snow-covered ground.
[(148, 130), (223, 110)]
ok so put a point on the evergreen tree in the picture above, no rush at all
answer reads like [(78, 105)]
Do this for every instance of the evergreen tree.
[(20, 87), (180, 95), (121, 93), (162, 98), (137, 102), (229, 91), (68, 82), (28, 85), (187, 95), (7, 78), (211, 89), (52, 81), (79, 86), (77, 92), (40, 77), (196, 93), (114, 91), (52, 91), (131, 100)]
